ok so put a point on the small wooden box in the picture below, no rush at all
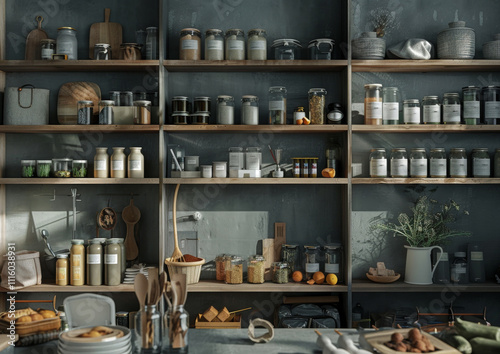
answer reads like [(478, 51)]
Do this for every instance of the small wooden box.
[(235, 323)]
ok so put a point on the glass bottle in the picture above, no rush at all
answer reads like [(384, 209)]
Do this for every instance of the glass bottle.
[(152, 43), (390, 105), (373, 104), (67, 42), (214, 44), (431, 110), (118, 163), (451, 108), (334, 156), (250, 110), (77, 262), (225, 110), (481, 163), (277, 105), (458, 163), (62, 269), (378, 163), (471, 105), (255, 269), (496, 167), (490, 104), (442, 272), (411, 112), (106, 111), (317, 97), (112, 262), (280, 272), (101, 163), (418, 163), (190, 44), (437, 162), (235, 44), (290, 255), (178, 329), (257, 44), (94, 262), (459, 273), (399, 163), (151, 340), (135, 163), (311, 260), (477, 274), (333, 261)]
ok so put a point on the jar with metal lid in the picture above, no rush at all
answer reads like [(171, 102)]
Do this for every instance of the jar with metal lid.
[(94, 262), (106, 115), (253, 158), (101, 163), (286, 49), (250, 110), (47, 48), (123, 258), (390, 105), (180, 117), (180, 104), (135, 163), (79, 168), (373, 104), (399, 163), (458, 163), (431, 110), (190, 44), (225, 110), (126, 98), (112, 262), (459, 272), (490, 104), (333, 261), (256, 268), (77, 262), (43, 168), (280, 272), (115, 97), (61, 168), (290, 255), (118, 163), (130, 51), (411, 112), (236, 158), (335, 113), (257, 44), (234, 270), (321, 49), (62, 269), (102, 51), (142, 112), (418, 163), (481, 163), (311, 260), (451, 108), (437, 163), (378, 163), (85, 112), (471, 104), (317, 97), (235, 44), (220, 261), (67, 42), (496, 164), (152, 43), (200, 118), (28, 168), (214, 44), (277, 105), (202, 104)]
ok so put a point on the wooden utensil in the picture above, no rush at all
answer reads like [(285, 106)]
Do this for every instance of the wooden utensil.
[(33, 51), (106, 32), (106, 220), (279, 238), (177, 254), (179, 285), (131, 215), (69, 95), (141, 289)]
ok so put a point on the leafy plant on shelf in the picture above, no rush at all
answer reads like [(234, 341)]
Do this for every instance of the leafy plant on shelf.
[(428, 225)]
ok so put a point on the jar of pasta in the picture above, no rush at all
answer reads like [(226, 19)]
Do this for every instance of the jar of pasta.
[(256, 269), (317, 97)]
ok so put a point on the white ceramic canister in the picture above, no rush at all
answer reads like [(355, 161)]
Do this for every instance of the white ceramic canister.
[(219, 169), (135, 163)]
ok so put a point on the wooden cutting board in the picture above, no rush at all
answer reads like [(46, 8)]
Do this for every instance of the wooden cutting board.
[(69, 95), (33, 51), (106, 32)]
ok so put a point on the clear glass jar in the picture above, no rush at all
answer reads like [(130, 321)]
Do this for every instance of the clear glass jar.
[(496, 164), (399, 163), (123, 258), (214, 44), (43, 168), (135, 163), (490, 104), (118, 163), (451, 108), (477, 274), (61, 168), (235, 44), (333, 261), (290, 255), (333, 154), (126, 98), (256, 267), (411, 112), (85, 112), (234, 270), (202, 104), (378, 163), (236, 158), (151, 341), (373, 104), (253, 158), (390, 105), (190, 44), (437, 163), (199, 118), (459, 273), (106, 115), (458, 163), (77, 262), (67, 42), (286, 49), (112, 262), (317, 105), (152, 43), (277, 105), (101, 163), (62, 269), (280, 272), (94, 262), (178, 329), (47, 48), (311, 260), (28, 168), (471, 104), (220, 262), (180, 104), (418, 163), (481, 163), (115, 97), (257, 44), (431, 110), (142, 112), (250, 110), (225, 110), (442, 269), (321, 49), (102, 51), (79, 168)]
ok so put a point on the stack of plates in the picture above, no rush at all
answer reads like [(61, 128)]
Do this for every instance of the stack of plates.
[(117, 342), (130, 273)]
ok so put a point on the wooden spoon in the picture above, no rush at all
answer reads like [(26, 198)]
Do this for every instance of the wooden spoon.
[(131, 215), (177, 254), (141, 289)]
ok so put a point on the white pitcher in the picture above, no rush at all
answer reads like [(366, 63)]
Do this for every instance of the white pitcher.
[(418, 265)]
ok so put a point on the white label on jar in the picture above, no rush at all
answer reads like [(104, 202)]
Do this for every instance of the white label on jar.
[(276, 105), (418, 167), (438, 168), (332, 268), (378, 167), (257, 45), (399, 167), (451, 113), (47, 53), (312, 267), (65, 48), (220, 167), (412, 114), (93, 258), (458, 167), (314, 168), (253, 160), (492, 109), (373, 110), (111, 259), (213, 44), (481, 167), (117, 165), (305, 168), (390, 111), (235, 45), (100, 165), (135, 165), (192, 161), (189, 44), (471, 109), (459, 269), (432, 114)]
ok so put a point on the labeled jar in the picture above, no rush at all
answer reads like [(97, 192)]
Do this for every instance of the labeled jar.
[(290, 255), (458, 271), (225, 110), (101, 163), (399, 163), (62, 269), (411, 111), (418, 163), (112, 262), (481, 163), (61, 168), (192, 163), (67, 43), (431, 110), (373, 104), (47, 48), (378, 163), (321, 49), (471, 100), (458, 163), (298, 115), (94, 262), (250, 110), (437, 163), (102, 51), (206, 172), (85, 112), (236, 158), (43, 168), (79, 168), (28, 168), (390, 105), (491, 104), (235, 44), (496, 164), (296, 168), (151, 43), (118, 163), (202, 104), (142, 112), (234, 270), (286, 49), (333, 261), (77, 262), (253, 158), (219, 169), (317, 98), (277, 105), (280, 272), (220, 260), (311, 260), (190, 44), (135, 163), (214, 44), (257, 44), (180, 104), (256, 267), (451, 108)]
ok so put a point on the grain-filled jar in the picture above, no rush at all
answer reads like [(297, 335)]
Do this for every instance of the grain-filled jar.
[(101, 163), (481, 163), (256, 268), (257, 44), (399, 163), (118, 163), (77, 262), (225, 110), (112, 262), (135, 163), (94, 262), (311, 260), (431, 110), (85, 112), (106, 115), (250, 110), (496, 167), (190, 44), (451, 108), (458, 163), (220, 261), (317, 98), (373, 104), (62, 269), (214, 44), (67, 42), (277, 105), (235, 44), (378, 163), (390, 105), (142, 112), (411, 111), (471, 102), (437, 163), (418, 163), (290, 255), (333, 261), (491, 104), (234, 270), (280, 272), (47, 48)]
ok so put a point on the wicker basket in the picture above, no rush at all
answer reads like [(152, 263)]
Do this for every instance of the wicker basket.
[(368, 46), (456, 42), (191, 269), (491, 50)]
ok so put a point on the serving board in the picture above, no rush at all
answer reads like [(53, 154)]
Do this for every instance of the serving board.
[(33, 51), (29, 328), (106, 32), (69, 95)]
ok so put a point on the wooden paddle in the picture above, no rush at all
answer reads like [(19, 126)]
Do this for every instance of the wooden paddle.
[(106, 32), (33, 51)]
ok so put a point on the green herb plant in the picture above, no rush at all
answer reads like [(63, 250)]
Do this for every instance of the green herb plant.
[(79, 172), (28, 171), (43, 170)]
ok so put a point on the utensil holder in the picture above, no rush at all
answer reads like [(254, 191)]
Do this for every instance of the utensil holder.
[(148, 330), (176, 326)]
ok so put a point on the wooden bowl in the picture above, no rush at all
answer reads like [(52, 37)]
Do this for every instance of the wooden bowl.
[(383, 279)]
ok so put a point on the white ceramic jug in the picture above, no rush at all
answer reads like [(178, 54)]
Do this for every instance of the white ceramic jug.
[(418, 265)]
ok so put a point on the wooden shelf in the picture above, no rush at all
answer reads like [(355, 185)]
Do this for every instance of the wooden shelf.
[(401, 287), (274, 181), (90, 180), (77, 129), (52, 288), (12, 66), (217, 286), (299, 129), (424, 128), (435, 65), (356, 180)]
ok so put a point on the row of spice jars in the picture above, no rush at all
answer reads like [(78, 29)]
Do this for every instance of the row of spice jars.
[(305, 167), (105, 114), (63, 167), (119, 165), (437, 165)]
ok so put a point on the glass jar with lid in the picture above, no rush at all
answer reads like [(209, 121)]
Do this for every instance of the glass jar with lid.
[(458, 163), (106, 115), (47, 48), (214, 44), (180, 104), (118, 163), (321, 49), (85, 111), (180, 118), (451, 108), (135, 163), (333, 261), (471, 104), (431, 110), (390, 105), (43, 168), (257, 44), (399, 163), (317, 104), (373, 104), (77, 262), (311, 260), (142, 112), (112, 262), (277, 105), (190, 44), (79, 168), (290, 255), (102, 51), (437, 163), (28, 168), (476, 273), (202, 104), (67, 42), (458, 272), (61, 168), (256, 268), (411, 111), (236, 158), (62, 269), (490, 104), (481, 163), (418, 163), (234, 270), (286, 49), (94, 262), (496, 164), (280, 272), (378, 163), (101, 163), (220, 262), (250, 110), (235, 44), (152, 43), (225, 110)]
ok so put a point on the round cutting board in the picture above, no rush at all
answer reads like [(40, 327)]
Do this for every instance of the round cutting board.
[(69, 95)]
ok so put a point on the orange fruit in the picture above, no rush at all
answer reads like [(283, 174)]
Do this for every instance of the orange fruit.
[(332, 279), (319, 277), (328, 172), (299, 121), (310, 281), (297, 276), (306, 121)]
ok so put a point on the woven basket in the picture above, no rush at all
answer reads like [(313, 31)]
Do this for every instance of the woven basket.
[(191, 269), (456, 42), (368, 46), (491, 50)]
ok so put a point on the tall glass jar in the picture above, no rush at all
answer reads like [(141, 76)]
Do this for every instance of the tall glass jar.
[(112, 262), (142, 112), (67, 42), (214, 44), (62, 269), (77, 262), (135, 163), (373, 104), (491, 104), (118, 163), (106, 111), (257, 44), (178, 329), (481, 163), (250, 110), (471, 104), (496, 167), (151, 340), (85, 111), (234, 270), (152, 43), (458, 163), (280, 272), (418, 163), (451, 108), (220, 260), (411, 112), (311, 260), (277, 105), (190, 44), (317, 98), (333, 156), (459, 270), (399, 163), (235, 44), (256, 268), (431, 110), (437, 162), (390, 105), (290, 255), (378, 163), (101, 163), (333, 261), (225, 110), (94, 262), (123, 258)]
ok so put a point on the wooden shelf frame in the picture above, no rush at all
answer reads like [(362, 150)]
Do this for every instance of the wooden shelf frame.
[(429, 180), (79, 129), (425, 128), (367, 286), (79, 181), (248, 129), (217, 286), (53, 288), (23, 66), (417, 66)]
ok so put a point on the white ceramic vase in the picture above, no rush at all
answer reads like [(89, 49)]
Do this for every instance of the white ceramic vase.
[(419, 270)]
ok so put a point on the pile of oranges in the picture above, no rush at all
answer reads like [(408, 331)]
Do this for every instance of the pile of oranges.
[(317, 278)]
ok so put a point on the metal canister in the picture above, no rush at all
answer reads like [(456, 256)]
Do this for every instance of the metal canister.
[(122, 319)]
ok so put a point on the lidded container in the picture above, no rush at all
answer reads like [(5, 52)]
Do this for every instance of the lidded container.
[(28, 168), (61, 167), (373, 104), (180, 117), (311, 260), (471, 104), (491, 104), (481, 163), (290, 255), (235, 44), (135, 163), (236, 158), (102, 51), (491, 50), (112, 262), (47, 48), (411, 111), (459, 272), (200, 118), (220, 261), (317, 98), (255, 269), (106, 115), (101, 163), (456, 42), (321, 49), (333, 261), (202, 104), (142, 112), (250, 110), (277, 105), (286, 49), (214, 44), (152, 43), (451, 108), (43, 168), (280, 272), (437, 163), (234, 270), (190, 44), (390, 105), (431, 110), (257, 44), (458, 163), (67, 42), (79, 168), (95, 262), (180, 104), (476, 274), (418, 163), (253, 158), (399, 163), (62, 269), (77, 262), (85, 112), (378, 163), (225, 110), (118, 163)]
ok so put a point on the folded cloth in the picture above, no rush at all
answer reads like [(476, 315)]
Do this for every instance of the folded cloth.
[(413, 48)]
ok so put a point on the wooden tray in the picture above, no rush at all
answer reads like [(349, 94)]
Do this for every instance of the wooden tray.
[(29, 328), (383, 279), (235, 323)]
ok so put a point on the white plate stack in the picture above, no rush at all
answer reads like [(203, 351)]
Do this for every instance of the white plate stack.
[(130, 273), (117, 342)]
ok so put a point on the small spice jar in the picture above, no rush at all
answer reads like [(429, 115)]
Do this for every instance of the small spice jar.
[(214, 44), (142, 112), (235, 44), (102, 51), (313, 167), (135, 163), (118, 163), (298, 115), (67, 42), (311, 260), (471, 104), (106, 115), (220, 262), (250, 110), (317, 97), (390, 105), (496, 164), (47, 48), (280, 272), (62, 269), (399, 163), (101, 163), (437, 163), (225, 110), (43, 168), (411, 111), (202, 104), (257, 44), (290, 255), (190, 44), (277, 105), (481, 163), (85, 112), (77, 262), (373, 104), (458, 163), (378, 163), (418, 163), (304, 167), (28, 168), (234, 270), (256, 269), (451, 108), (79, 169), (61, 168), (333, 260), (431, 110)]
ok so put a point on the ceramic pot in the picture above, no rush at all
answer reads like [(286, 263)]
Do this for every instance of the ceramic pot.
[(368, 46), (491, 50), (418, 265), (456, 42)]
